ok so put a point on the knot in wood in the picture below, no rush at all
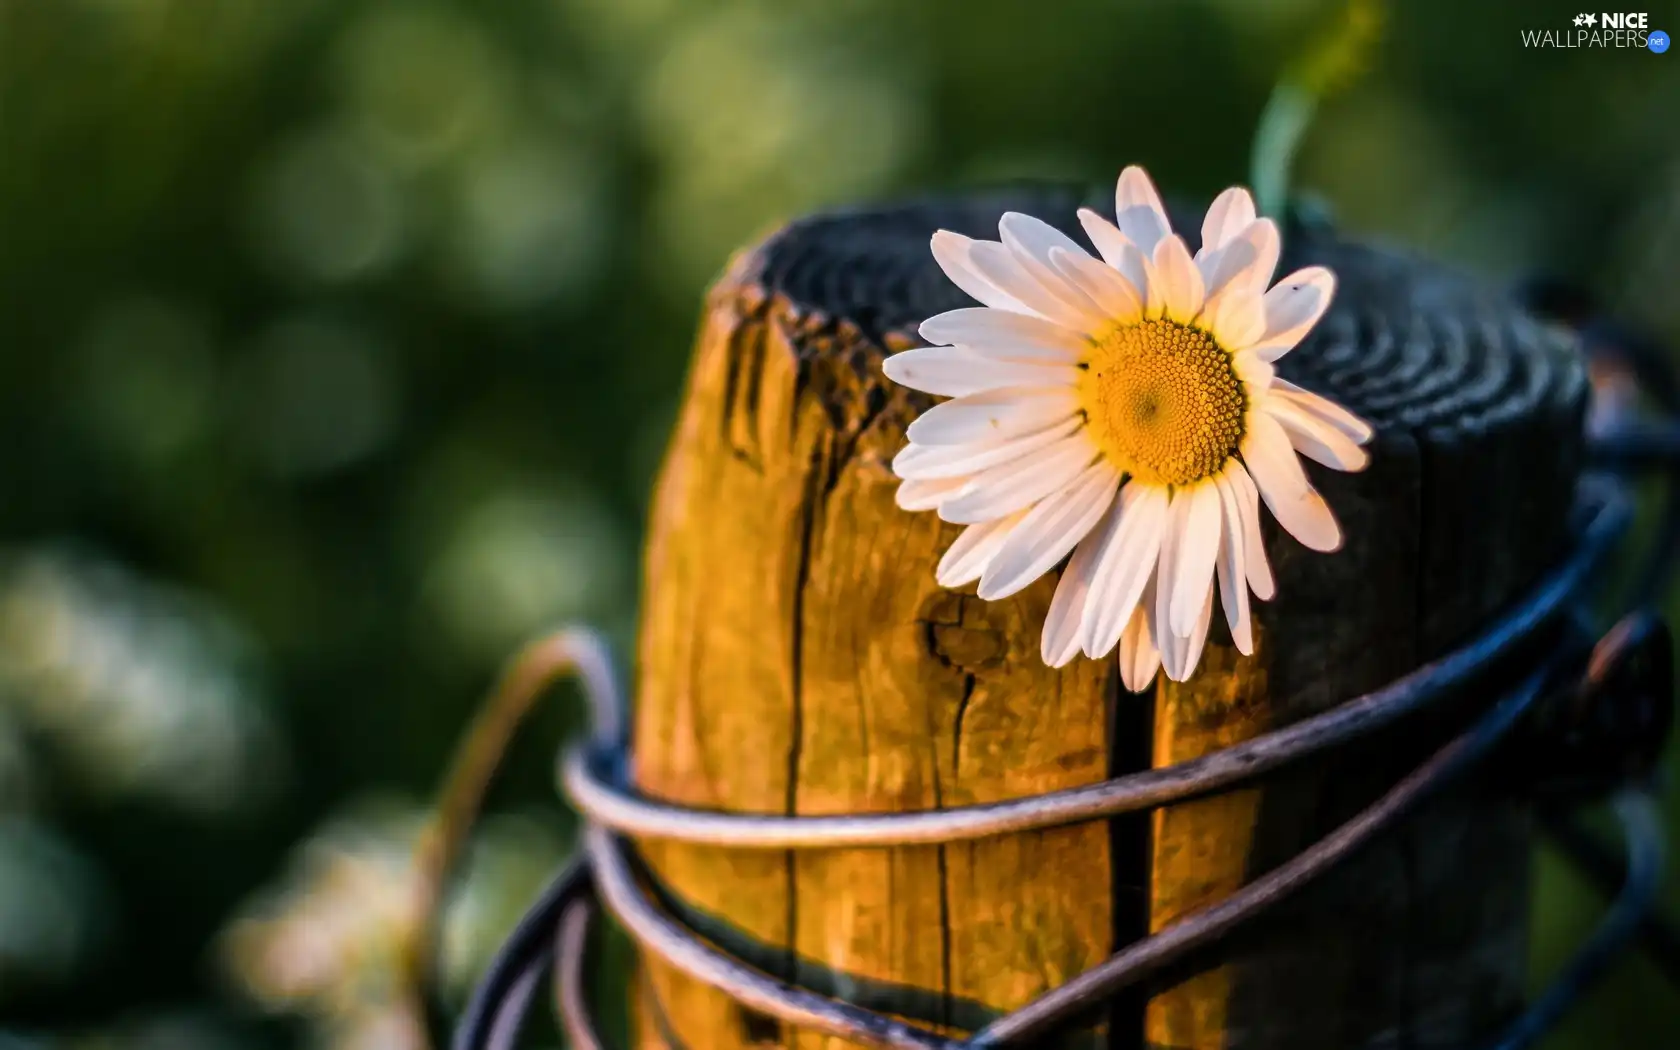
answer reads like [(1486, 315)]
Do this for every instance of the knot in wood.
[(960, 635)]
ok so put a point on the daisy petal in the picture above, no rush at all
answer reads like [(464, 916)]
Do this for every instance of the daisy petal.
[(971, 552), (1019, 484), (1276, 469), (1245, 262), (1034, 237), (1230, 214), (1139, 659), (1049, 531), (951, 371), (1060, 640), (1233, 585), (926, 495), (1103, 536), (1253, 369), (1031, 284), (1004, 335), (1138, 211), (1125, 565), (1105, 285), (1197, 519), (1236, 318), (1187, 652), (1255, 564), (1293, 306), (1110, 243), (992, 415), (1324, 409), (1032, 240), (950, 461), (950, 251), (1172, 645), (1182, 291), (1263, 236), (1117, 251), (1316, 439)]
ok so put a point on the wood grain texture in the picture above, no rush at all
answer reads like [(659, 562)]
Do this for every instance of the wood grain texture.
[(796, 656)]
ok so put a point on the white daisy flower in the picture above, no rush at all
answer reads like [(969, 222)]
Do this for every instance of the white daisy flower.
[(1125, 410)]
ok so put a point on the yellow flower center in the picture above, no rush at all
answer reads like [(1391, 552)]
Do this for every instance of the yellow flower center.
[(1163, 402)]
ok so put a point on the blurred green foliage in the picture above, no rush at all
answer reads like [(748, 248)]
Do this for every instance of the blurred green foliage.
[(339, 340)]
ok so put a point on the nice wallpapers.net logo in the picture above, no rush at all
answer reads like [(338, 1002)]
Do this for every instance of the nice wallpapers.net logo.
[(1601, 29)]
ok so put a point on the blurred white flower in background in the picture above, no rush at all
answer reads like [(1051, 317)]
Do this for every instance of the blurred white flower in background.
[(19, 779), (51, 906), (144, 690), (373, 1028), (326, 940)]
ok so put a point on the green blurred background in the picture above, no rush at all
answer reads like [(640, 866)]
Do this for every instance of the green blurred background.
[(339, 341)]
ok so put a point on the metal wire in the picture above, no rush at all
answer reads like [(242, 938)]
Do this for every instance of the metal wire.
[(571, 992), (656, 932), (1152, 953), (491, 1021), (613, 805), (662, 936), (519, 963), (614, 876), (1607, 869), (1642, 834)]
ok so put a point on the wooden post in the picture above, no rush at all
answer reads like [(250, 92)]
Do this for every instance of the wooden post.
[(796, 656)]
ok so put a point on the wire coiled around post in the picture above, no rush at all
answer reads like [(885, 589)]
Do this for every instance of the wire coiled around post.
[(594, 776), (607, 873)]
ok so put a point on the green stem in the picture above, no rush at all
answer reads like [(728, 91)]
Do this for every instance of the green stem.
[(478, 756), (1327, 66), (1283, 124)]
